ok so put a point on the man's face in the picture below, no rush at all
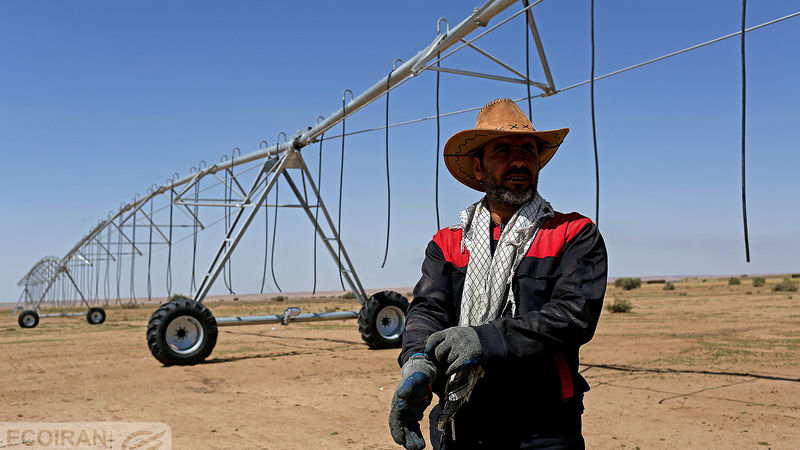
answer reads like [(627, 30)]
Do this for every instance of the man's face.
[(509, 169)]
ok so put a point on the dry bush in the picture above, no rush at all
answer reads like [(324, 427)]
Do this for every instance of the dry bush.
[(620, 305), (628, 283), (759, 281), (787, 285), (668, 286), (732, 281)]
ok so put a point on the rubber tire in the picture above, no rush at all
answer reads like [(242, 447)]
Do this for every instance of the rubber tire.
[(369, 316), (25, 313), (160, 320), (92, 310)]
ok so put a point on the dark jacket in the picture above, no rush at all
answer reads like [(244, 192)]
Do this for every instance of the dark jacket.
[(531, 359)]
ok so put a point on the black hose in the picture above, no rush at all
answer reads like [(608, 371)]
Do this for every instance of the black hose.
[(527, 62), (339, 212), (594, 133), (388, 183), (438, 135), (316, 211), (150, 253), (274, 230), (744, 92), (169, 246)]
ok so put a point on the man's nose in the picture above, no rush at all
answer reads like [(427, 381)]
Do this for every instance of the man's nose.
[(518, 158)]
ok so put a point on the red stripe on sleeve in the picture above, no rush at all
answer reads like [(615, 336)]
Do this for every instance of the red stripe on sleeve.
[(555, 233), (567, 388), (450, 242)]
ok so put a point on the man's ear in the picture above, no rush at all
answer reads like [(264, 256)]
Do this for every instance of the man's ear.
[(476, 167)]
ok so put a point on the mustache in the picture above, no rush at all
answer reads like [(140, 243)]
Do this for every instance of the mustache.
[(517, 171)]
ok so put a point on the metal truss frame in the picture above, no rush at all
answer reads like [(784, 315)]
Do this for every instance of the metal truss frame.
[(279, 160)]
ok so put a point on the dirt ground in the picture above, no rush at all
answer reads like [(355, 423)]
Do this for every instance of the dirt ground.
[(706, 365)]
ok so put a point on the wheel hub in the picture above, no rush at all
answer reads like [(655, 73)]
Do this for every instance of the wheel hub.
[(391, 322), (184, 334)]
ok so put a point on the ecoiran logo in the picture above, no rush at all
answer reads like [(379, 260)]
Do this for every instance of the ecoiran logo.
[(86, 435)]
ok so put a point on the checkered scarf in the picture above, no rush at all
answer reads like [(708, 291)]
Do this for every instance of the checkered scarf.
[(487, 288)]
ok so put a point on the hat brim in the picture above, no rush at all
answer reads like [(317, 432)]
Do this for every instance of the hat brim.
[(461, 146)]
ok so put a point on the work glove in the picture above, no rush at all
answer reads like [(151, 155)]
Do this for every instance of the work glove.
[(412, 396), (456, 348)]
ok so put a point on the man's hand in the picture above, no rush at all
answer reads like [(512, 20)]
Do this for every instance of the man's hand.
[(457, 348), (411, 397)]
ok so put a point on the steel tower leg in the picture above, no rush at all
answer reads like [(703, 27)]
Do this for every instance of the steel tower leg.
[(277, 167)]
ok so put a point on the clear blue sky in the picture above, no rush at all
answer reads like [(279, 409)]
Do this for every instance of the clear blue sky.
[(100, 100)]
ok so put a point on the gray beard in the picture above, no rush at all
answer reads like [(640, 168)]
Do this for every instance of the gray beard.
[(505, 195), (496, 192)]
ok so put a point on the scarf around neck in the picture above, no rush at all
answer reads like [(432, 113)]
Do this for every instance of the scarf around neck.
[(487, 285)]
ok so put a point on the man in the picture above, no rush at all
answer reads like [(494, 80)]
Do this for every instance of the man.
[(506, 299)]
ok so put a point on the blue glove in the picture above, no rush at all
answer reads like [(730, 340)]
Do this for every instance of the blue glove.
[(456, 348), (410, 399)]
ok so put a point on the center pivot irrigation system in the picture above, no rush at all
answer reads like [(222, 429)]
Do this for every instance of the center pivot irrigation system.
[(183, 330)]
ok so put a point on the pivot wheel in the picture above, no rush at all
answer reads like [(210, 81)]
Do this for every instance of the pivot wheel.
[(382, 320), (95, 316), (181, 332), (28, 319)]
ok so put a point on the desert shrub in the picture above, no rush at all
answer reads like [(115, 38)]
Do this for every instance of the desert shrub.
[(628, 283), (787, 285), (133, 305), (668, 286), (349, 294), (732, 281), (620, 305), (279, 298), (759, 281)]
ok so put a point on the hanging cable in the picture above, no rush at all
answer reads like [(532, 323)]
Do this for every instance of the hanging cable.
[(438, 136), (319, 200), (150, 252), (119, 257), (132, 298), (594, 132), (192, 285), (438, 127), (169, 244), (388, 184), (744, 96), (227, 194), (229, 188), (266, 228), (527, 61), (106, 286), (226, 224), (275, 219), (266, 246), (97, 274), (341, 183), (274, 230)]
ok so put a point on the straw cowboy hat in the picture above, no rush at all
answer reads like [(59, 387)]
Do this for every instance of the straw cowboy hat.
[(501, 117)]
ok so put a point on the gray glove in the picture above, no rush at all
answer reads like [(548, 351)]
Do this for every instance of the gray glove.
[(456, 348), (412, 396)]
